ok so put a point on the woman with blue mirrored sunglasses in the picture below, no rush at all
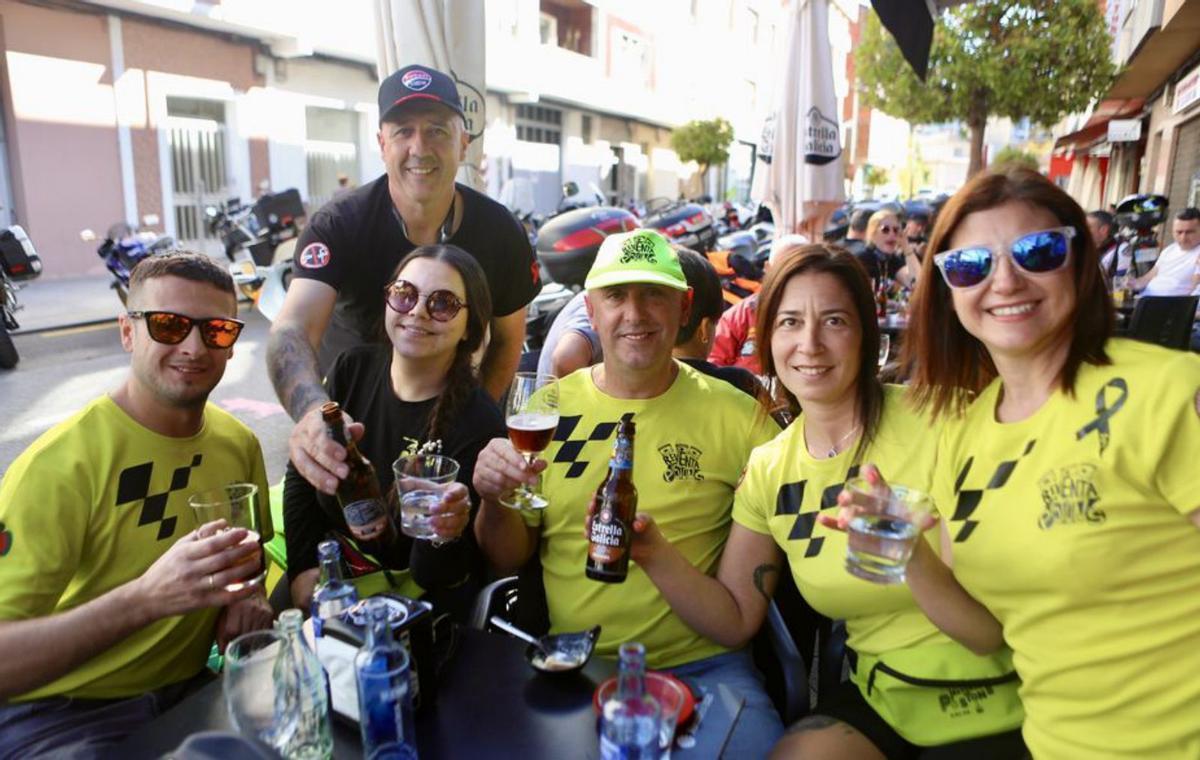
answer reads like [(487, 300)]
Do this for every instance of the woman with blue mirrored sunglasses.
[(1066, 477), (1035, 253)]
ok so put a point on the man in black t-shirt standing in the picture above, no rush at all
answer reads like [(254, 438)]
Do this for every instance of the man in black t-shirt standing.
[(347, 253)]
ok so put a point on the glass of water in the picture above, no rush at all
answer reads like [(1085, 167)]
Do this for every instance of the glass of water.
[(421, 481), (261, 688), (882, 536), (885, 348)]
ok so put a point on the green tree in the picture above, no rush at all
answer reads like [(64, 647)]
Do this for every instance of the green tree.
[(1041, 59), (873, 177), (705, 142), (1010, 154)]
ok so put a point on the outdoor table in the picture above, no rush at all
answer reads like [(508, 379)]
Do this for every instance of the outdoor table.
[(490, 703)]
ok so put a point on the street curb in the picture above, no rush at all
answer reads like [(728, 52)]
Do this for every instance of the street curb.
[(67, 326)]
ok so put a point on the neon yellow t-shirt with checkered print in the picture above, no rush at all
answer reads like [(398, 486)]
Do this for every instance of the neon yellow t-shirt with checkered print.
[(88, 507), (784, 490), (692, 443), (1072, 527)]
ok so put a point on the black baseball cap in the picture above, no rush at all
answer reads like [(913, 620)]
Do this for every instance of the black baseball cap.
[(418, 83)]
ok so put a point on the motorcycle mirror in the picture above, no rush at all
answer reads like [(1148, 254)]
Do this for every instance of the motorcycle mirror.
[(87, 236)]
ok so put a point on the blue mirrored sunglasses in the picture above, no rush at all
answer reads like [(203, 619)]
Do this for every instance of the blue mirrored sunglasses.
[(1036, 253)]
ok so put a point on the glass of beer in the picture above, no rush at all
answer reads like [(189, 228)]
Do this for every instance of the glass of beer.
[(421, 480), (881, 538), (237, 505), (532, 416)]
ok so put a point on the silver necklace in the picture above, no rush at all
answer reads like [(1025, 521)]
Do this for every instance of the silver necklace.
[(833, 450), (443, 233)]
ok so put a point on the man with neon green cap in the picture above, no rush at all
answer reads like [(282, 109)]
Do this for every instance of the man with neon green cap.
[(694, 435)]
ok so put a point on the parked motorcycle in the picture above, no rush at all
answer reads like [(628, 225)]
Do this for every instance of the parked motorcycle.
[(258, 240), (567, 243), (123, 247), (684, 222), (18, 262), (1137, 216)]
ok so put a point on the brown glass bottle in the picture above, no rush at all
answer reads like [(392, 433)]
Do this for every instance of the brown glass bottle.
[(358, 493), (616, 506)]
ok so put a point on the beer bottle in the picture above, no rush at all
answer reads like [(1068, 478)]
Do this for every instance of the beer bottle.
[(616, 506), (358, 493)]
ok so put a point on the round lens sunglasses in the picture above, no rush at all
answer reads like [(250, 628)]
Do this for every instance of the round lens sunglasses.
[(442, 305)]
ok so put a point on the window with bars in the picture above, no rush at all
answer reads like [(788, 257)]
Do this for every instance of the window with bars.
[(539, 124)]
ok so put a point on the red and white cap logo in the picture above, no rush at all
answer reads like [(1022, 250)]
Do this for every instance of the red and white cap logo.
[(314, 256), (416, 80)]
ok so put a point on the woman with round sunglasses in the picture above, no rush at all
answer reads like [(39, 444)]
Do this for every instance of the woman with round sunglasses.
[(881, 256), (1066, 477), (418, 392), (820, 340)]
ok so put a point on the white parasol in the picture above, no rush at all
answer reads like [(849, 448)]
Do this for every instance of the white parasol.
[(799, 175), (447, 35)]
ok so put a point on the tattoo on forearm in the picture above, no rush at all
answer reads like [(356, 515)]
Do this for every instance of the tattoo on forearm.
[(760, 576), (292, 364)]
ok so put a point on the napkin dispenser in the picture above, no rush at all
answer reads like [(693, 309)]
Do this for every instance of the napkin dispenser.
[(343, 636)]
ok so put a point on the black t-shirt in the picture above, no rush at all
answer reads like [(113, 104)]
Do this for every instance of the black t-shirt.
[(739, 377), (877, 262), (355, 242), (359, 380)]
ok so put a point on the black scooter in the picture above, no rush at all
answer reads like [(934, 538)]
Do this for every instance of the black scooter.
[(18, 262)]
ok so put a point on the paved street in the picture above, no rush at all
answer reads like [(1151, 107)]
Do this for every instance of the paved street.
[(61, 370)]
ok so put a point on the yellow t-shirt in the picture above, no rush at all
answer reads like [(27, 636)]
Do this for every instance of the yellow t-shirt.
[(785, 489), (88, 507), (1072, 527), (692, 443)]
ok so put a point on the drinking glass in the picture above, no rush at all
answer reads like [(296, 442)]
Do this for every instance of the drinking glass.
[(881, 539), (262, 696), (237, 505), (421, 480), (670, 697), (885, 348), (532, 416)]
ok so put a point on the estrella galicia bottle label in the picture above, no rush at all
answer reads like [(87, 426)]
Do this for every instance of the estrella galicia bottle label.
[(608, 537)]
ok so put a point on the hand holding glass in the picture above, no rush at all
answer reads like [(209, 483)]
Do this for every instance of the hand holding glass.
[(421, 481), (532, 417), (237, 505), (882, 535)]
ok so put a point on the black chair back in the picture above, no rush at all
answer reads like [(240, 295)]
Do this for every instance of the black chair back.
[(1165, 320)]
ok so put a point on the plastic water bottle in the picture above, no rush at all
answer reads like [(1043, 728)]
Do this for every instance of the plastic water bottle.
[(332, 596), (385, 710), (631, 716), (313, 738)]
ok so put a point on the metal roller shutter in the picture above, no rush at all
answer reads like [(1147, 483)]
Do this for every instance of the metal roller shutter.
[(1185, 168)]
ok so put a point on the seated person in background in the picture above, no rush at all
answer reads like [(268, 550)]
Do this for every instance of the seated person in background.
[(916, 231), (1115, 256), (882, 257), (693, 436), (417, 389), (817, 310), (734, 344), (111, 593), (856, 236), (570, 343), (697, 333), (1177, 271)]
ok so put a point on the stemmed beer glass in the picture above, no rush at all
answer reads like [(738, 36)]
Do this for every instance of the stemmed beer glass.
[(532, 416)]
